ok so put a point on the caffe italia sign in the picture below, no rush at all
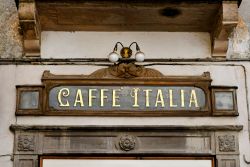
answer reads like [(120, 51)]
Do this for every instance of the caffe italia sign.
[(138, 98), (107, 92)]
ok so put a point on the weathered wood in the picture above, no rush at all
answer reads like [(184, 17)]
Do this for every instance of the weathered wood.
[(127, 15)]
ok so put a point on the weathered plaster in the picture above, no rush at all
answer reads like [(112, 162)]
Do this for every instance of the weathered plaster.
[(10, 39), (5, 161), (7, 115), (239, 42), (185, 45), (244, 10)]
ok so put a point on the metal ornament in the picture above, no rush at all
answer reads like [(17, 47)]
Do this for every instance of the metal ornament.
[(125, 54)]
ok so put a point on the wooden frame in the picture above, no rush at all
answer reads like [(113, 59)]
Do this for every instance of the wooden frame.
[(109, 82), (224, 112), (41, 158), (29, 88), (112, 76), (50, 81)]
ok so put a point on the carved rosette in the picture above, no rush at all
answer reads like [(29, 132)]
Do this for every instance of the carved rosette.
[(227, 143), (26, 143), (127, 142)]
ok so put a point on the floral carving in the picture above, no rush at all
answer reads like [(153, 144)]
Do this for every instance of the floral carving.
[(25, 143), (227, 143), (127, 143), (125, 70)]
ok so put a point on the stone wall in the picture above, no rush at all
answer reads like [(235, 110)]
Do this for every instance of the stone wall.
[(10, 39)]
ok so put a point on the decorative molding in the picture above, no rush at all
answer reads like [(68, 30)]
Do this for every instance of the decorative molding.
[(227, 20), (120, 141), (125, 70), (228, 161), (26, 143), (127, 142), (28, 128), (227, 143), (25, 160), (30, 27)]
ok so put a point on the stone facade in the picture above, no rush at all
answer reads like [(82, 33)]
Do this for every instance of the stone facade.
[(22, 147), (11, 40)]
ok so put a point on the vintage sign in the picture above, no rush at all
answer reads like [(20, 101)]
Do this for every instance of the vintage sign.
[(125, 98), (126, 90)]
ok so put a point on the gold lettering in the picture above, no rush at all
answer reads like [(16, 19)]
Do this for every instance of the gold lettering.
[(103, 96), (64, 92), (147, 96), (135, 96), (159, 98), (115, 97), (91, 97), (78, 98), (182, 98), (171, 103), (193, 99)]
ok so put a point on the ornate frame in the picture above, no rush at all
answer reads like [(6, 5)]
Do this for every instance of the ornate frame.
[(50, 81), (120, 75)]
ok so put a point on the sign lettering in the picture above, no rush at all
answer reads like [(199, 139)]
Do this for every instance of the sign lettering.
[(127, 98)]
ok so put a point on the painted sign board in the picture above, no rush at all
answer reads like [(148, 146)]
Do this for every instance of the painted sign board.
[(125, 98), (92, 95)]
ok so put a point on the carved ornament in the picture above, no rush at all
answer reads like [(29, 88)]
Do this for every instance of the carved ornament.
[(26, 143), (227, 143), (127, 143), (125, 70)]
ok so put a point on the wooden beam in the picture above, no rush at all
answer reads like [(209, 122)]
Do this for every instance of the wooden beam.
[(227, 20), (30, 27)]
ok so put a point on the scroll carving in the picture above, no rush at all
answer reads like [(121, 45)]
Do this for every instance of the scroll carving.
[(26, 143), (227, 143), (124, 70)]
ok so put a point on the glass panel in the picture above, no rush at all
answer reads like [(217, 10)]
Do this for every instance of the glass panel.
[(29, 100), (224, 101), (124, 98), (125, 163)]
